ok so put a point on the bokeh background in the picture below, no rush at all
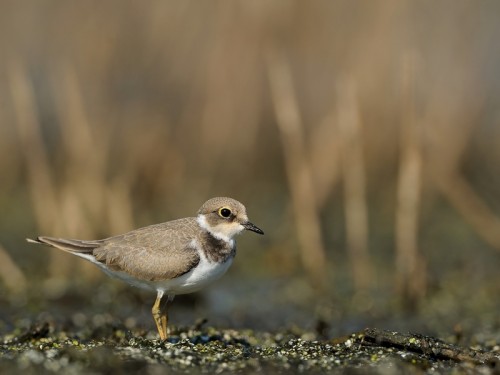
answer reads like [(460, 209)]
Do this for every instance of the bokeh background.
[(363, 137)]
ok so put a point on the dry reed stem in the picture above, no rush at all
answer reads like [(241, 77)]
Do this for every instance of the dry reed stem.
[(76, 187), (297, 167), (93, 202), (10, 273), (40, 183), (472, 207), (84, 151), (44, 196), (353, 172), (325, 158), (118, 198), (410, 275), (448, 113)]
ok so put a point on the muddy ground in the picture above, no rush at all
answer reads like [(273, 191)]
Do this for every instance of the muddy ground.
[(111, 348), (113, 332)]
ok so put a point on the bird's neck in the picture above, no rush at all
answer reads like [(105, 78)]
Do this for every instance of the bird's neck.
[(216, 246), (217, 250)]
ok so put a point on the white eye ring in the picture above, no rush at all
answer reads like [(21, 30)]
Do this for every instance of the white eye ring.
[(224, 212)]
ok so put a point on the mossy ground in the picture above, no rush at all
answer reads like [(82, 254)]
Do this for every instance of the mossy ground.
[(112, 348), (106, 329)]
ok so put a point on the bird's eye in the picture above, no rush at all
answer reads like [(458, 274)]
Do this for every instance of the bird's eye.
[(225, 212)]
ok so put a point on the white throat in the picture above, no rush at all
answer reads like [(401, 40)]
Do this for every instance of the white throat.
[(221, 232)]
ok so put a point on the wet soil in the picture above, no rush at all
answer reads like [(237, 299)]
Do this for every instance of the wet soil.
[(108, 329), (110, 347)]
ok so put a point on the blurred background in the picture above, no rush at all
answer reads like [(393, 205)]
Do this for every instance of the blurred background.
[(363, 137)]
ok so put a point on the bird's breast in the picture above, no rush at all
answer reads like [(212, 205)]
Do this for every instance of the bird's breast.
[(198, 277)]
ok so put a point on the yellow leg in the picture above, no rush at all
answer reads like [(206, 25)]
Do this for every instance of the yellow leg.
[(164, 320), (160, 316)]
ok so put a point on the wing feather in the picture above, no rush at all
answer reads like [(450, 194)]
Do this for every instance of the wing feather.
[(157, 252)]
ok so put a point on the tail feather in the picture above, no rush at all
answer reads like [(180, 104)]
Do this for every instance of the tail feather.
[(69, 245)]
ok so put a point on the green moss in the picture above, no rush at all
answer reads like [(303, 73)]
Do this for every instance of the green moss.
[(200, 351)]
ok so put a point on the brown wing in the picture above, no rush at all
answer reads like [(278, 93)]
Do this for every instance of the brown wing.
[(157, 252), (69, 245)]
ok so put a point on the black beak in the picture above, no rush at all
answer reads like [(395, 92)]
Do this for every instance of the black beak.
[(249, 226)]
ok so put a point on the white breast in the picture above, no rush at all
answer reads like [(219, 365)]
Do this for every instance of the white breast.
[(203, 274)]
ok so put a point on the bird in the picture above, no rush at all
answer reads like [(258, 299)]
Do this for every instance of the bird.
[(175, 257)]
